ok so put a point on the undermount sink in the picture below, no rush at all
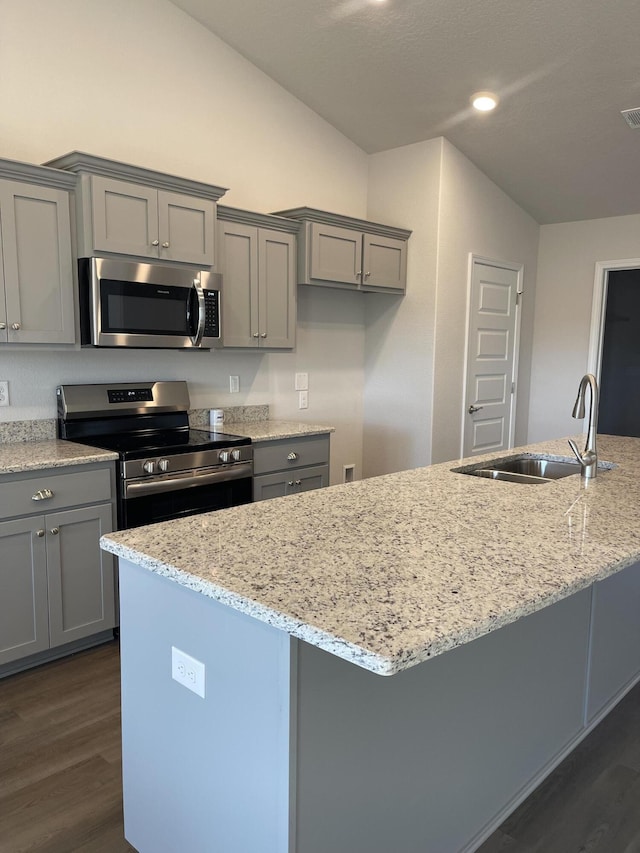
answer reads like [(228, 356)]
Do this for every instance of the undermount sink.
[(524, 469)]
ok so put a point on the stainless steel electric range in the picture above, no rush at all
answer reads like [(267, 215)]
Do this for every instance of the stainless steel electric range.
[(165, 468)]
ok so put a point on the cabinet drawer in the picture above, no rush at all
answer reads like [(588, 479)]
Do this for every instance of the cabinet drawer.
[(68, 489), (274, 455)]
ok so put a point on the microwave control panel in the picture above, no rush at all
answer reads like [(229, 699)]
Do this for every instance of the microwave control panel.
[(211, 314)]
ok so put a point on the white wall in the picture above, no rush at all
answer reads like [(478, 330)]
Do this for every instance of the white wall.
[(476, 217), (566, 268), (143, 83), (404, 190)]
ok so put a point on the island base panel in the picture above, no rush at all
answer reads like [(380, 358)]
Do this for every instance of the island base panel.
[(294, 750), (424, 761), (199, 774)]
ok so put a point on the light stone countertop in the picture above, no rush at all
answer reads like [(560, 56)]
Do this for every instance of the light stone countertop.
[(272, 430), (391, 571), (19, 456)]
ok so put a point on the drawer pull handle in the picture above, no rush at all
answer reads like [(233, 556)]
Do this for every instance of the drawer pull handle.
[(291, 457), (42, 495)]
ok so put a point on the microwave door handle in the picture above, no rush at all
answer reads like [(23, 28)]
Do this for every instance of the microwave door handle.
[(196, 340)]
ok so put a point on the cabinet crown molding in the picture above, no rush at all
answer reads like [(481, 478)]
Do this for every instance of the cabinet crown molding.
[(311, 214), (44, 176), (259, 220), (79, 162)]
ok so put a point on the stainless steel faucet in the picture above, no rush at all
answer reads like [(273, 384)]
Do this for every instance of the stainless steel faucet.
[(588, 459)]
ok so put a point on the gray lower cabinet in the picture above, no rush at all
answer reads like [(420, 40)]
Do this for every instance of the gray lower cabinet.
[(339, 251), (258, 266), (36, 272), (615, 638), (288, 466), (57, 585)]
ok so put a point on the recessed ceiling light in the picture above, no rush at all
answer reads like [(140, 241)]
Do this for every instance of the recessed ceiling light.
[(484, 101)]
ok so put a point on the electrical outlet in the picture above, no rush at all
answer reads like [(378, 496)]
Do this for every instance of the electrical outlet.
[(302, 382), (303, 399), (4, 392), (234, 384), (187, 671)]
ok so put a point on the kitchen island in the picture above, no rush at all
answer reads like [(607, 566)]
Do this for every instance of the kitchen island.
[(297, 606)]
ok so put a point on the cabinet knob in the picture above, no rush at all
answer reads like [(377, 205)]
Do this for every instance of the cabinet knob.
[(263, 335), (3, 326), (55, 530), (39, 533), (367, 274), (298, 482), (290, 483), (42, 495), (256, 335), (359, 273), (165, 245), (291, 457), (15, 326), (155, 242)]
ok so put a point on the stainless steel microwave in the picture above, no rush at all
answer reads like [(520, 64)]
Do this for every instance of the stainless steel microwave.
[(126, 304)]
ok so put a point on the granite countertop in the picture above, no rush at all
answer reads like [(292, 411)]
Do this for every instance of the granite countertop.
[(391, 571), (270, 430), (19, 456)]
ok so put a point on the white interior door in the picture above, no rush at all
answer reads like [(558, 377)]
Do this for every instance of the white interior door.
[(492, 355)]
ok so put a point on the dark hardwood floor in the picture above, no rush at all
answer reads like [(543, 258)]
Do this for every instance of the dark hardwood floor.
[(60, 766), (60, 772)]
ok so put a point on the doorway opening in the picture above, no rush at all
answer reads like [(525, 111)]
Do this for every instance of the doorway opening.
[(614, 352)]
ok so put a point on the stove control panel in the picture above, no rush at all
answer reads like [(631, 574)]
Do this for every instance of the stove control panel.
[(130, 395)]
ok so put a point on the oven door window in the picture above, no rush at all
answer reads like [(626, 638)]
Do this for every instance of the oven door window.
[(166, 505), (135, 308)]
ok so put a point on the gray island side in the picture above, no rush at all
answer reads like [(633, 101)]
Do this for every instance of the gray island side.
[(506, 614)]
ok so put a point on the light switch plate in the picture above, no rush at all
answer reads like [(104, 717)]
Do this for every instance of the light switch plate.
[(303, 399), (302, 382), (234, 384)]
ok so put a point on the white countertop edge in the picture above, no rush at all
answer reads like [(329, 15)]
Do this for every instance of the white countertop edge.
[(349, 651)]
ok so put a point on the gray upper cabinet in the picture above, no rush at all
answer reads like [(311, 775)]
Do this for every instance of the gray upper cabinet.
[(130, 219), (36, 269), (140, 213), (339, 251), (257, 261)]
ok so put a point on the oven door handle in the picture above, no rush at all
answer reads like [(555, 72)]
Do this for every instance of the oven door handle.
[(196, 339), (187, 480)]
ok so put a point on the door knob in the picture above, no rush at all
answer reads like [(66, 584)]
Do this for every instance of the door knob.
[(473, 409)]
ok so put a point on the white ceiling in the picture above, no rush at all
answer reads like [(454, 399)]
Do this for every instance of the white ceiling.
[(401, 71)]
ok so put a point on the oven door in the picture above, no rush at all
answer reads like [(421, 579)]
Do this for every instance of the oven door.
[(147, 501), (125, 304)]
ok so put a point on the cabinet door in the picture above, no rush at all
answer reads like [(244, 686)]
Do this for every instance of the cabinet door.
[(186, 228), (80, 575), (24, 624), (336, 254), (124, 217), (277, 289), (239, 265), (308, 479), (384, 263), (615, 637), (38, 274), (268, 486)]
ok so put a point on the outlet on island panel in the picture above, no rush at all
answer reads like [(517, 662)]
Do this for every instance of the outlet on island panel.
[(4, 392)]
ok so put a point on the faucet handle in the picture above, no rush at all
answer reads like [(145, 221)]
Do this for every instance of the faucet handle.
[(576, 452)]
